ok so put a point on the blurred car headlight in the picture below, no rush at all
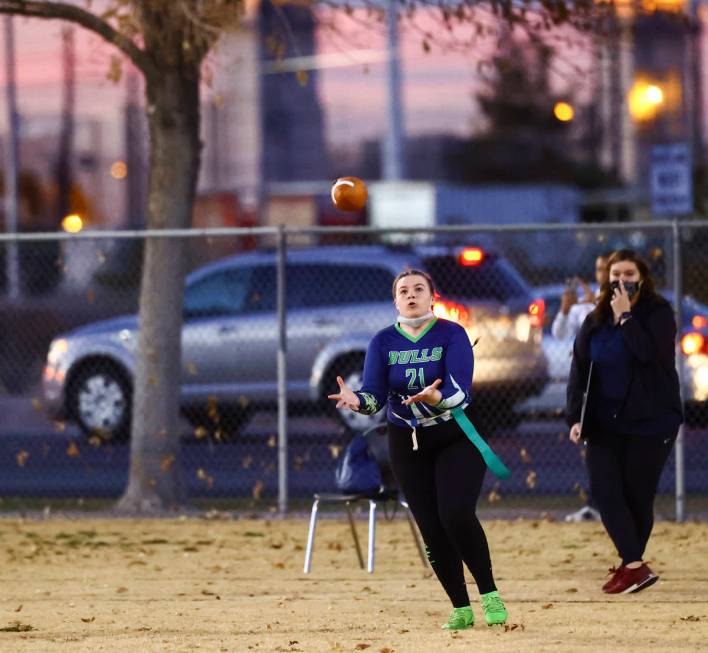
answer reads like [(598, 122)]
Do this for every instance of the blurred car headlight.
[(698, 365), (56, 350), (522, 328)]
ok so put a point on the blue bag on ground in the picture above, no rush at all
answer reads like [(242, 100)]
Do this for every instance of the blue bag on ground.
[(358, 471)]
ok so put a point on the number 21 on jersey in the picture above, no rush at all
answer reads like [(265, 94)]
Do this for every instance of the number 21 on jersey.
[(411, 374)]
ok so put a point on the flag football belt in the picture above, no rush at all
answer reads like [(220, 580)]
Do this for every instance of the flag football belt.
[(496, 466)]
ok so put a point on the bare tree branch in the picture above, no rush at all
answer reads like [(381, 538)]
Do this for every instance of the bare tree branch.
[(74, 14)]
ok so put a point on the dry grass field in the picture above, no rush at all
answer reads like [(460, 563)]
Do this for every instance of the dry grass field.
[(237, 585)]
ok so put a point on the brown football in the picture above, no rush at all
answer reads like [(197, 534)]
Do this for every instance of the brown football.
[(349, 194)]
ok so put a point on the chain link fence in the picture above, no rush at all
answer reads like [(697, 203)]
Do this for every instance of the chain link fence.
[(68, 352)]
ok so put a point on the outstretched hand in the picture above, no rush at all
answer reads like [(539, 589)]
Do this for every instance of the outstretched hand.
[(345, 398), (430, 395)]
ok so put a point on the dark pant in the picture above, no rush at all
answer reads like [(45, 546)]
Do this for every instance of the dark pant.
[(624, 476), (441, 482)]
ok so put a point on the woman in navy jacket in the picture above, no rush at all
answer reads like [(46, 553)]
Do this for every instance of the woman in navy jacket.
[(624, 358)]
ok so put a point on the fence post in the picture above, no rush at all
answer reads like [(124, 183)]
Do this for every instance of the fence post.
[(678, 295), (282, 376)]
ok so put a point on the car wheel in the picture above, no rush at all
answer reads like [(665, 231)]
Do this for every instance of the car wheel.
[(99, 399), (351, 369)]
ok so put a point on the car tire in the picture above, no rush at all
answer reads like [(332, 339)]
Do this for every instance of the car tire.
[(99, 399), (351, 369)]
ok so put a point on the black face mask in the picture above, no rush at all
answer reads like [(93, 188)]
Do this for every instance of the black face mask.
[(630, 287)]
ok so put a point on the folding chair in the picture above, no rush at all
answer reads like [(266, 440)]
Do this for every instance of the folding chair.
[(377, 439)]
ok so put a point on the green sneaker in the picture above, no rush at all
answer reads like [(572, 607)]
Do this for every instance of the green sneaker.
[(494, 611), (459, 619)]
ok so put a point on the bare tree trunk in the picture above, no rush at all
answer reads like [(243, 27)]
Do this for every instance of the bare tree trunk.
[(155, 480)]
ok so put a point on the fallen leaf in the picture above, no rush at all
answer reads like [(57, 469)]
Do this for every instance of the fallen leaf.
[(88, 620), (121, 590), (531, 480), (302, 77), (166, 463)]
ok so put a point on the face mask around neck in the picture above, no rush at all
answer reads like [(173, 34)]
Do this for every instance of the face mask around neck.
[(415, 321)]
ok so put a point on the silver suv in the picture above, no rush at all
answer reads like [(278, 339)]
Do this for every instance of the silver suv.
[(336, 299)]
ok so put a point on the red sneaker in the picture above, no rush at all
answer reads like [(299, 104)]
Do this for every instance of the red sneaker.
[(614, 573), (633, 580)]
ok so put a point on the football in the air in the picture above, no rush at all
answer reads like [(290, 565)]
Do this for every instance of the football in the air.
[(349, 194)]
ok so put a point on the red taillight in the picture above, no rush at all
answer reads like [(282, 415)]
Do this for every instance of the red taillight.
[(537, 308), (699, 322), (451, 311), (471, 256), (692, 343)]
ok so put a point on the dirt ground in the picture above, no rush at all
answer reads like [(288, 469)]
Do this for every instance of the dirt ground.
[(238, 585)]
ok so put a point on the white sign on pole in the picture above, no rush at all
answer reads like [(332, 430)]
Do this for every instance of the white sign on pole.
[(671, 183)]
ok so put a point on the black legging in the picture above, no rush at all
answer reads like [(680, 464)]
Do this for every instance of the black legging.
[(441, 482), (624, 476)]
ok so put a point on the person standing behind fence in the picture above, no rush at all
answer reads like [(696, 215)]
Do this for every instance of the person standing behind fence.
[(632, 409), (566, 325), (572, 313), (437, 456)]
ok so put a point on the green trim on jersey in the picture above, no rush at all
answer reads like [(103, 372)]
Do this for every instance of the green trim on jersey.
[(420, 335)]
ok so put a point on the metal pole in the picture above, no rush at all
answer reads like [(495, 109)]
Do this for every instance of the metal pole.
[(393, 154), (282, 377), (678, 293), (11, 163)]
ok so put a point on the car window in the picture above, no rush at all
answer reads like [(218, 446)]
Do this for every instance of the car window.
[(493, 279), (322, 284), (221, 293), (262, 294)]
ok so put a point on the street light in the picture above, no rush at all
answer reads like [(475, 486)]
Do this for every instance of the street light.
[(644, 100), (72, 223), (563, 111)]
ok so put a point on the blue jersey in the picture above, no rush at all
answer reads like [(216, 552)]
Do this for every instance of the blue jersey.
[(399, 366)]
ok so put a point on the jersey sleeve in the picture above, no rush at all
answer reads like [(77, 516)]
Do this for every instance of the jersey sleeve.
[(374, 391), (459, 367)]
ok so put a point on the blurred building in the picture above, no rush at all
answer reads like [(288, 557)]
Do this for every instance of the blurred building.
[(651, 87), (281, 118)]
